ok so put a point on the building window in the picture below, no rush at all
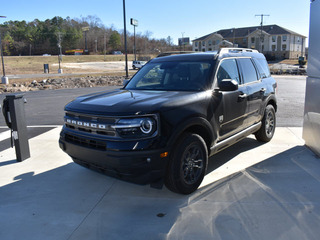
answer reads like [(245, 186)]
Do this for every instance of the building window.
[(244, 40), (203, 43), (284, 38), (210, 42), (210, 49), (274, 38), (298, 39), (273, 48), (284, 47), (196, 44), (252, 40)]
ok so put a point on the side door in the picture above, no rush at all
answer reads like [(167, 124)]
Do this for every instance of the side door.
[(255, 89), (232, 116)]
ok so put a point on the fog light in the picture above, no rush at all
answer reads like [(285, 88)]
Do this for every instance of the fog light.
[(164, 154)]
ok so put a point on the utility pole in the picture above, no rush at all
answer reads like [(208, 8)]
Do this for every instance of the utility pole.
[(60, 52), (125, 37), (261, 24), (104, 45)]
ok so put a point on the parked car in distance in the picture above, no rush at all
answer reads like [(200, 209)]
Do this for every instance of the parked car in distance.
[(138, 64), (117, 53), (174, 113)]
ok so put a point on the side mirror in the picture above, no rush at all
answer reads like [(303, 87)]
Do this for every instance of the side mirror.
[(228, 85), (125, 82)]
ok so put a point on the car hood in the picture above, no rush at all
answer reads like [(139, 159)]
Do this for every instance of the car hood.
[(123, 102)]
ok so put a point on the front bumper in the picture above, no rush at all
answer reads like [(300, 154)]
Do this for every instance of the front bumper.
[(138, 166)]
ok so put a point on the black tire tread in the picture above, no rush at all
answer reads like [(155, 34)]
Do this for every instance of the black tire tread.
[(261, 133), (171, 180)]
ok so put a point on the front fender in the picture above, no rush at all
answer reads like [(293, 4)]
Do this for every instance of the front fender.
[(197, 125)]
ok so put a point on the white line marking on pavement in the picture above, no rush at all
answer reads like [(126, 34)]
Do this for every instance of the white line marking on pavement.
[(37, 126), (5, 135)]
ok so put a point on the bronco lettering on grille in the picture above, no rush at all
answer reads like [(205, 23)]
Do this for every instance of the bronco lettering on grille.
[(86, 124)]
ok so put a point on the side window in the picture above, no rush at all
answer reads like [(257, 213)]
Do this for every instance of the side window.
[(228, 69), (248, 70), (263, 67)]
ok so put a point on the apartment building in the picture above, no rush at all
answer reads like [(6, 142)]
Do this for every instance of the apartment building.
[(272, 40)]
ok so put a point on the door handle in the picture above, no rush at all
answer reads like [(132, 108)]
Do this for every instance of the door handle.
[(262, 90), (242, 96)]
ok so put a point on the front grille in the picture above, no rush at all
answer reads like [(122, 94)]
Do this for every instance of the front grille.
[(90, 124), (86, 142)]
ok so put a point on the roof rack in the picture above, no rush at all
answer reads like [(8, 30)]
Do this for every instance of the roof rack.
[(237, 50), (174, 53)]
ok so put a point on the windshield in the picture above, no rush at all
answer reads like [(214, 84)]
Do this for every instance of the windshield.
[(172, 76)]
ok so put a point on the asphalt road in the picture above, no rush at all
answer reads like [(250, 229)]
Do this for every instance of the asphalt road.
[(44, 109)]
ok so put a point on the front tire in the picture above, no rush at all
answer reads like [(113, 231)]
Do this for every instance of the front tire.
[(268, 127), (188, 164)]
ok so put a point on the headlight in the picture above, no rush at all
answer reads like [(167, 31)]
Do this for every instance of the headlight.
[(136, 127)]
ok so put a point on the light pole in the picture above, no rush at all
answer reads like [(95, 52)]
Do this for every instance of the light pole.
[(125, 37), (4, 79), (134, 22)]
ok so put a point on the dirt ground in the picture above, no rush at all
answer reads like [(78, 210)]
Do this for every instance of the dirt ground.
[(35, 64)]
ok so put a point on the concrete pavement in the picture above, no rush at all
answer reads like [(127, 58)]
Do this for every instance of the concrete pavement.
[(252, 191)]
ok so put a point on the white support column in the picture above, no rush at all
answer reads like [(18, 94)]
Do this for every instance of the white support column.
[(311, 125)]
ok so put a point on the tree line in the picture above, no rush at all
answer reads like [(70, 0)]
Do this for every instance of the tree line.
[(42, 37)]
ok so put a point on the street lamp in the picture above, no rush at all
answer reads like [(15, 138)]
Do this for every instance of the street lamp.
[(4, 79), (134, 22), (125, 37)]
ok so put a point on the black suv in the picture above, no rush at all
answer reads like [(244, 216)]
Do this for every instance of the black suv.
[(171, 116)]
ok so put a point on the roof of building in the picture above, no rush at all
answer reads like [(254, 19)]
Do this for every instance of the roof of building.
[(244, 32)]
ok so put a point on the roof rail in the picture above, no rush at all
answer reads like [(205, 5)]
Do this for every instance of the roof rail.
[(237, 50), (174, 53)]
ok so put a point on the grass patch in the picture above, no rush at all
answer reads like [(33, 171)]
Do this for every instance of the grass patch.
[(34, 64)]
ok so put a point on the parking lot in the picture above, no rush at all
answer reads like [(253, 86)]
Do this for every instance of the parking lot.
[(251, 190)]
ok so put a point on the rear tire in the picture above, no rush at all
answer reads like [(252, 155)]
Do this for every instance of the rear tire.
[(268, 127), (188, 164)]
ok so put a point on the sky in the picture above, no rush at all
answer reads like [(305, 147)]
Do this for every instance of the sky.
[(163, 18)]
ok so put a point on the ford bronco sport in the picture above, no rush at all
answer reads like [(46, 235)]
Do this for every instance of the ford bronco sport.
[(172, 115)]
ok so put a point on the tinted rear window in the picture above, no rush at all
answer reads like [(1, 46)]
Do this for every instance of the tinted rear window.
[(248, 70), (263, 67)]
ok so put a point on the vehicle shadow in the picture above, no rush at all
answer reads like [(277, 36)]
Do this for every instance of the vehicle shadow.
[(224, 156)]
